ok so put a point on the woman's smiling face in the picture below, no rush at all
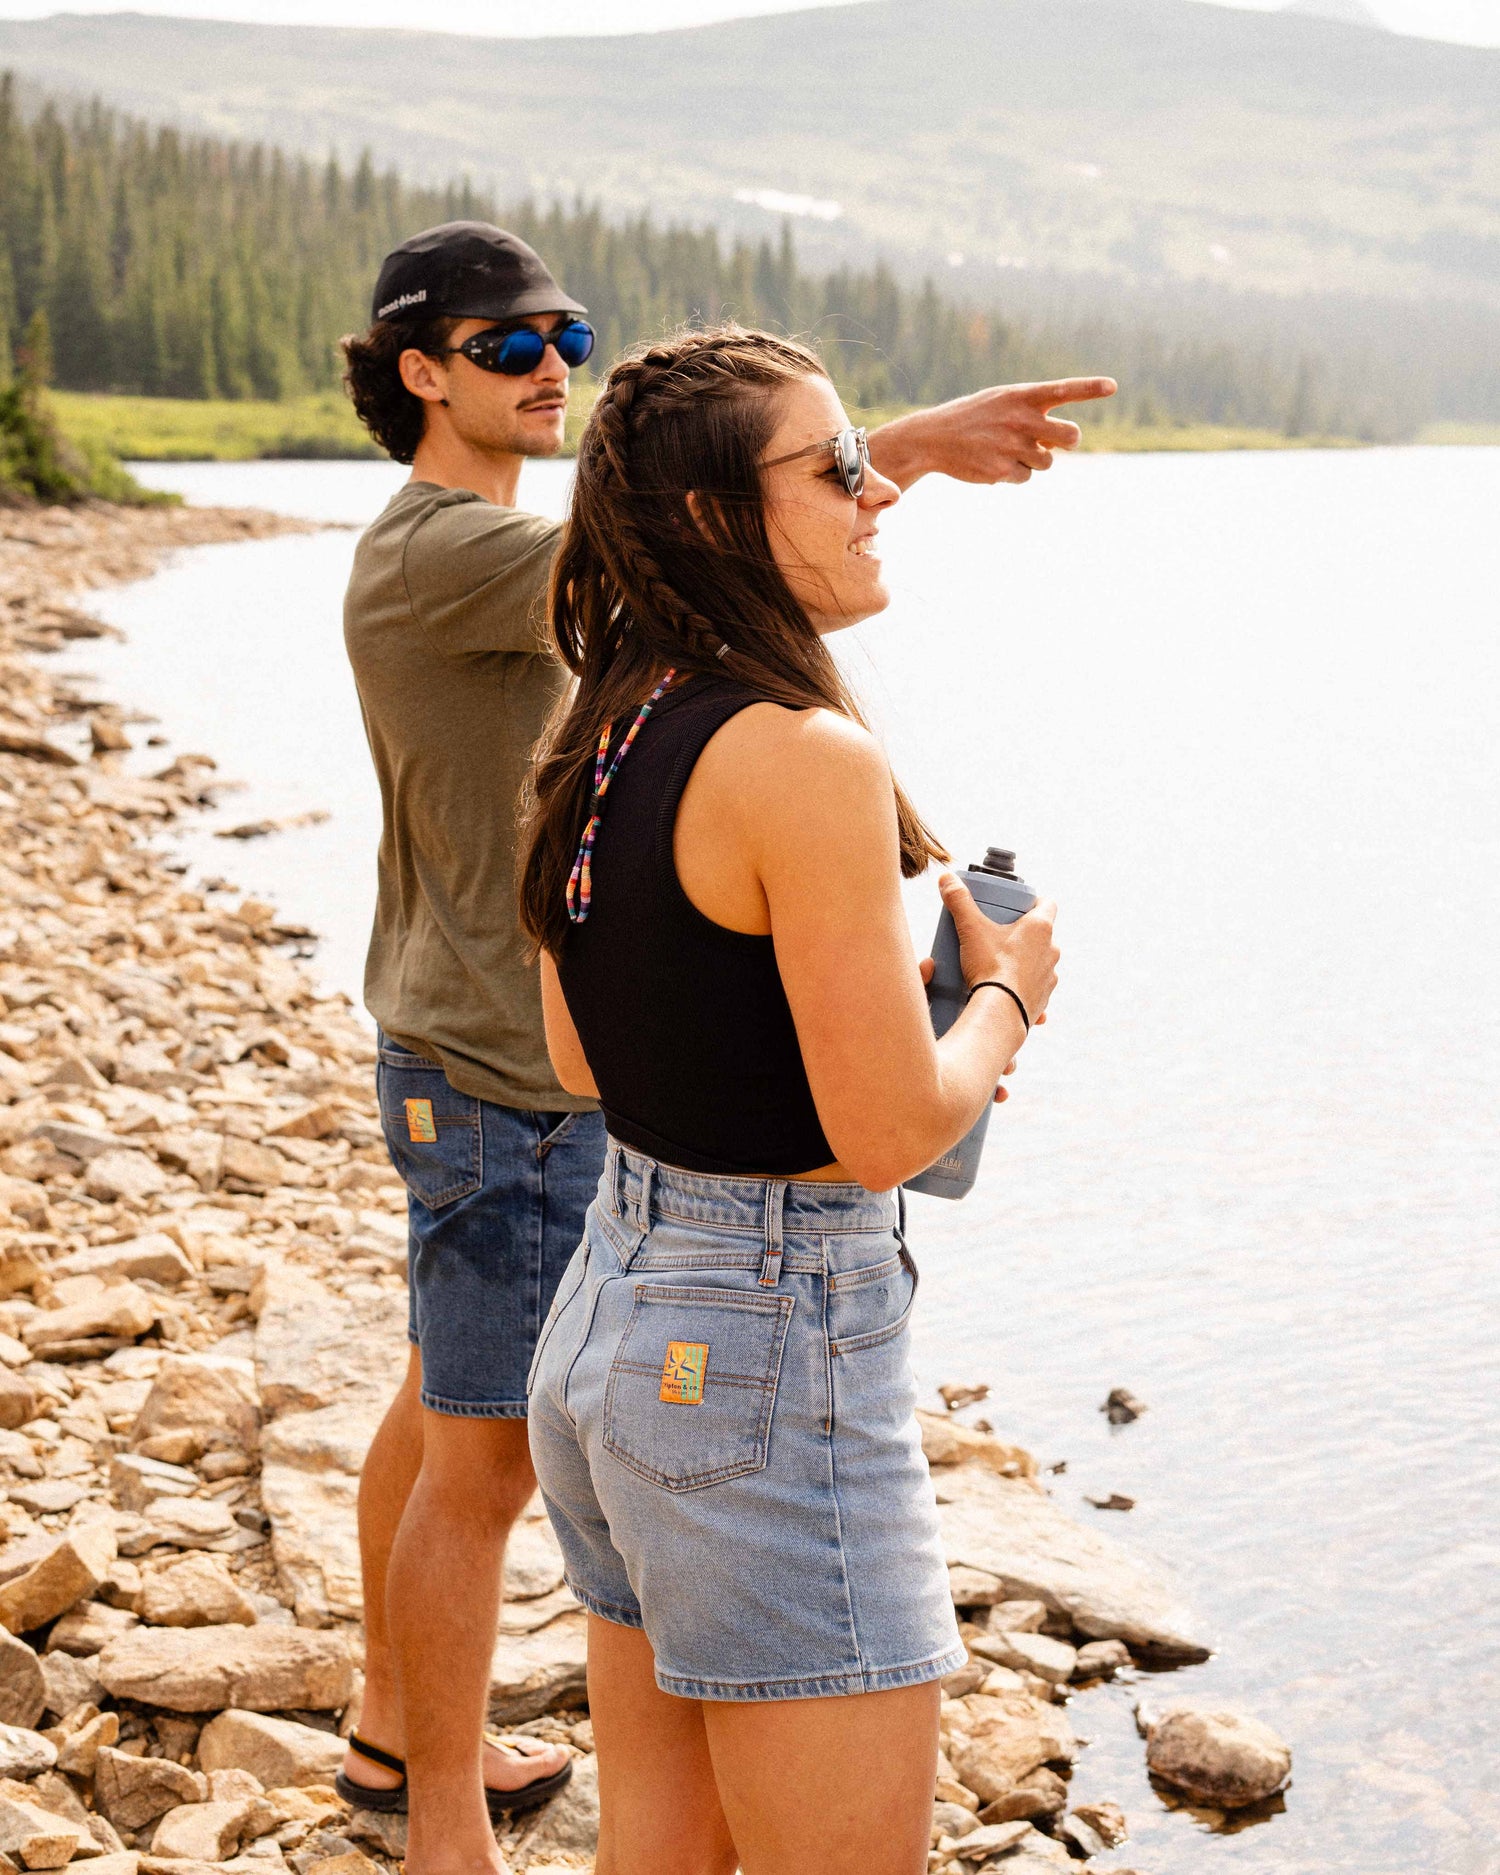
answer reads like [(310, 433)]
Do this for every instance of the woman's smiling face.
[(822, 537)]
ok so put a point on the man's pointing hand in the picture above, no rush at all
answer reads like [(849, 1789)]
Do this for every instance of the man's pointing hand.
[(997, 435)]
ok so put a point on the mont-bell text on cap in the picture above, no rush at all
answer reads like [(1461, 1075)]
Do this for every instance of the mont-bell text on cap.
[(467, 270)]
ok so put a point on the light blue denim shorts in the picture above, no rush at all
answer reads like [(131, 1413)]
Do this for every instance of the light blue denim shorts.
[(722, 1424)]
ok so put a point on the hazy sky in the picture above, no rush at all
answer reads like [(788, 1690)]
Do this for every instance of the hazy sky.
[(1474, 21)]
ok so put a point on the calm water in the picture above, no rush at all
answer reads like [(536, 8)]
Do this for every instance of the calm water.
[(1238, 714)]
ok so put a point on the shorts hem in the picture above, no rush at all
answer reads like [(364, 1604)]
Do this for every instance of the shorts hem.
[(473, 1409), (608, 1611), (817, 1686)]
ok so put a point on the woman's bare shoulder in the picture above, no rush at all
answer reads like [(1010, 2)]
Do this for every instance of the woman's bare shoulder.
[(773, 749)]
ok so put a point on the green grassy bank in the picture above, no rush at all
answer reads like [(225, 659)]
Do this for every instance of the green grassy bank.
[(178, 429)]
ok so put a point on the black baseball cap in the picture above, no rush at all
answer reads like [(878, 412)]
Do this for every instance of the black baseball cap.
[(466, 270)]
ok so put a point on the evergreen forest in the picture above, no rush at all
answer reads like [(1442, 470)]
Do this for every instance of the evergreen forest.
[(182, 266)]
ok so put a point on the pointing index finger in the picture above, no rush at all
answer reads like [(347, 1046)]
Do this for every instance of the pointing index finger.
[(1070, 391)]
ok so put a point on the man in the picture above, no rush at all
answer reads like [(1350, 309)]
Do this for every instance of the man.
[(444, 627)]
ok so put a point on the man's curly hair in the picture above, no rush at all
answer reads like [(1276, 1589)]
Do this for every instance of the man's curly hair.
[(372, 377)]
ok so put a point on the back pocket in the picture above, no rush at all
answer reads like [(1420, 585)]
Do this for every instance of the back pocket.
[(693, 1384), (432, 1131)]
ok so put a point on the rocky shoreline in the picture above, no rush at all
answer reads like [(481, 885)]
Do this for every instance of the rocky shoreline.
[(203, 1314)]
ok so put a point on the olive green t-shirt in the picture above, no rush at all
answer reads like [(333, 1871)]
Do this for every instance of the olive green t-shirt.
[(444, 625)]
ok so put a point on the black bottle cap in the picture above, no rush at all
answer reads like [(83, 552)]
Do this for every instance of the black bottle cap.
[(999, 860)]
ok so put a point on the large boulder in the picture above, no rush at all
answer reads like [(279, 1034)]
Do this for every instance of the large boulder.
[(265, 1669), (1216, 1756), (205, 1832), (1007, 1528), (994, 1740), (314, 1348), (154, 1256), (24, 1753), (277, 1751), (34, 1838)]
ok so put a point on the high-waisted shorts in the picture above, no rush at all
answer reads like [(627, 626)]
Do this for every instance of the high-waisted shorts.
[(722, 1424)]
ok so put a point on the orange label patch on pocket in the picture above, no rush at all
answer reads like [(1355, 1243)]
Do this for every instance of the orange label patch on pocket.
[(421, 1128), (683, 1372)]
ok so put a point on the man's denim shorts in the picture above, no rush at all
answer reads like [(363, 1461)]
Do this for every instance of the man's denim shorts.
[(496, 1198), (722, 1424)]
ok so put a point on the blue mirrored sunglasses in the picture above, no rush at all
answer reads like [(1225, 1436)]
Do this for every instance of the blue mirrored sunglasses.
[(514, 351)]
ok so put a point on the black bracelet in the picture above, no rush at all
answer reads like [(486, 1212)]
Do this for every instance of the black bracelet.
[(994, 983)]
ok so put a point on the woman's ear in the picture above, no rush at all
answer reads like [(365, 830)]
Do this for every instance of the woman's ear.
[(694, 503)]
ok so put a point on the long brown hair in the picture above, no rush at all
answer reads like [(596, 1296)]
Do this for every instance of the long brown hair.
[(641, 583)]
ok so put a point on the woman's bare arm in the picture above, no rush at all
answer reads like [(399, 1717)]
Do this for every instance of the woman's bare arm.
[(801, 801)]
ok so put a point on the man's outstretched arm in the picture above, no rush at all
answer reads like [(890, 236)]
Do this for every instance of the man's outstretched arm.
[(996, 435)]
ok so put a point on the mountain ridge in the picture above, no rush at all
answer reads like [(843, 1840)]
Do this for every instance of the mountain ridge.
[(1145, 140)]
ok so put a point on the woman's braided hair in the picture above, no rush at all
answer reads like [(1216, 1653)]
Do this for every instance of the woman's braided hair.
[(643, 582)]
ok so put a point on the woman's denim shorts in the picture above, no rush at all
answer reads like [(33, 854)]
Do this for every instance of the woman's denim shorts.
[(722, 1424)]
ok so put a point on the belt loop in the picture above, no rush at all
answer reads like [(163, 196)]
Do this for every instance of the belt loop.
[(770, 1269), (616, 1181), (901, 1215), (643, 1198)]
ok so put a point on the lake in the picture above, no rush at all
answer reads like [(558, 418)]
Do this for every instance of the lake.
[(1238, 714)]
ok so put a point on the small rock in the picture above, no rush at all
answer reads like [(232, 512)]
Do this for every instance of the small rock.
[(23, 1689), (1017, 1617), (1081, 1836), (1122, 1406), (88, 1628), (70, 1568), (974, 1588), (1216, 1756), (69, 1683), (533, 1561), (277, 1751), (1040, 1793), (133, 1792), (352, 1862), (1050, 1660), (263, 1669), (17, 1401), (214, 1399), (24, 1753), (1107, 1820), (195, 1592), (202, 1832), (948, 1819), (192, 1522), (79, 1755), (991, 1839), (1115, 1501), (136, 1482), (956, 1397), (47, 1496), (1100, 1660), (125, 1175), (120, 1312), (154, 1256), (36, 1839)]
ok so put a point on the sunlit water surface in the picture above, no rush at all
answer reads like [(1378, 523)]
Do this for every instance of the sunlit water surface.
[(1238, 713)]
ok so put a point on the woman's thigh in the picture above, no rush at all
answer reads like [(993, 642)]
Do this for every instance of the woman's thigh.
[(658, 1805), (843, 1786)]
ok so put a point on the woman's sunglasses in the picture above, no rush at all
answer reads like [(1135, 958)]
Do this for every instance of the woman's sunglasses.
[(851, 456), (516, 351)]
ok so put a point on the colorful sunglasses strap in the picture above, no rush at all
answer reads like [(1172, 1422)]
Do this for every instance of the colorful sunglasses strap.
[(580, 880)]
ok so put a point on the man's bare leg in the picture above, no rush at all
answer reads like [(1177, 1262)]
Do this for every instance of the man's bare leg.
[(443, 1607), (390, 1474)]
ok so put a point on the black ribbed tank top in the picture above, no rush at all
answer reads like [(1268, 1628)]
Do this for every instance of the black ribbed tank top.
[(684, 1023)]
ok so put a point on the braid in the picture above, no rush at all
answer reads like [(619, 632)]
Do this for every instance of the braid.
[(666, 562)]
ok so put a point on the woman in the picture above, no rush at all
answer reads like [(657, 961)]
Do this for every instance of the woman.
[(721, 1401)]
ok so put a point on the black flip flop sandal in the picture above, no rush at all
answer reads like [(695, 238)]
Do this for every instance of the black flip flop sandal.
[(501, 1803)]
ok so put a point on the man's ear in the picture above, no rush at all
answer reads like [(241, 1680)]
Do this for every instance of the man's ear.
[(423, 376)]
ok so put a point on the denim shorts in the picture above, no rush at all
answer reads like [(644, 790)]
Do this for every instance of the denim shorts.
[(722, 1423), (495, 1200)]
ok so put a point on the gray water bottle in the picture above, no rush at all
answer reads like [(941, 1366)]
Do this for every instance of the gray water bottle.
[(1004, 898)]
